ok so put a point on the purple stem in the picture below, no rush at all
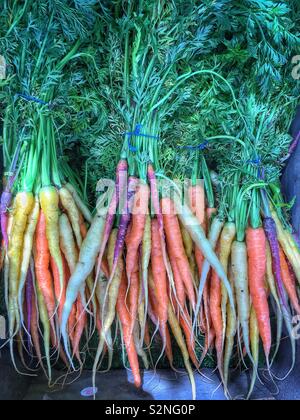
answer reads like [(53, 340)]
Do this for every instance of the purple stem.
[(271, 233)]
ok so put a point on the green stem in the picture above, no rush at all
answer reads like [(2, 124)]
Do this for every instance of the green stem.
[(207, 183)]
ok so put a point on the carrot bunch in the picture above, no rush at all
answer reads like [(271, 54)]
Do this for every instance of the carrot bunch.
[(258, 252), (43, 232), (194, 268), (145, 250)]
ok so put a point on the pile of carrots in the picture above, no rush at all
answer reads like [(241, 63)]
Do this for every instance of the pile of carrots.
[(139, 252), (203, 264), (42, 227), (149, 263)]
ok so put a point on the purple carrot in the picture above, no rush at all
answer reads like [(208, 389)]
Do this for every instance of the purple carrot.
[(123, 227), (29, 294), (271, 233), (120, 187), (6, 196), (125, 218)]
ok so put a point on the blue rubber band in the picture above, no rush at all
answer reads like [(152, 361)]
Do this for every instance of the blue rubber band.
[(137, 132), (257, 161), (32, 99), (201, 146)]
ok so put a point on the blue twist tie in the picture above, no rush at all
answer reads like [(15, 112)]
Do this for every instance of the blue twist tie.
[(137, 132), (257, 161), (201, 146), (32, 99)]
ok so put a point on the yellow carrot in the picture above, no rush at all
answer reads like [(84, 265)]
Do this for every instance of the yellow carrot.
[(226, 240), (67, 242), (80, 204), (49, 200), (231, 329), (112, 292), (22, 207), (175, 326), (27, 252), (187, 241), (146, 255), (43, 313), (69, 205), (114, 286), (86, 262), (288, 244), (93, 299)]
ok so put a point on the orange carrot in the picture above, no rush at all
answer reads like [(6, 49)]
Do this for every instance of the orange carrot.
[(42, 263), (147, 339), (139, 214), (289, 282), (186, 324), (72, 323), (179, 286), (81, 318), (197, 202), (82, 226), (206, 305), (256, 248), (209, 342), (197, 205), (133, 294), (176, 247), (56, 279), (105, 268), (216, 317), (159, 278), (125, 320), (199, 260), (72, 319), (153, 314)]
